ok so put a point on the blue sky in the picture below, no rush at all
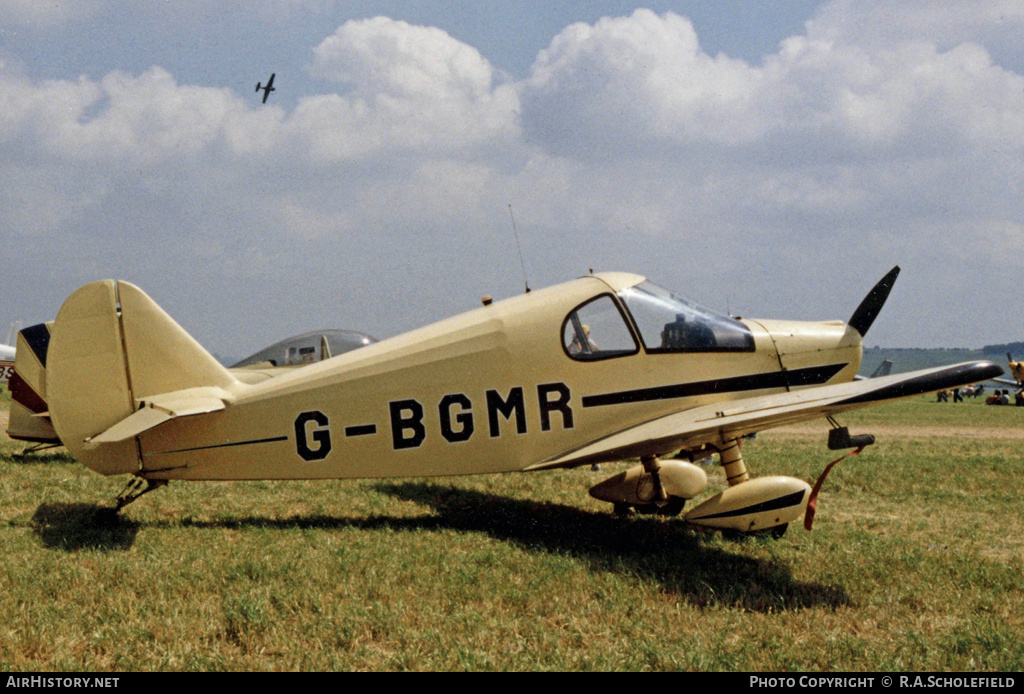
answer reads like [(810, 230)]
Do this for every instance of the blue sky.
[(219, 42), (772, 158)]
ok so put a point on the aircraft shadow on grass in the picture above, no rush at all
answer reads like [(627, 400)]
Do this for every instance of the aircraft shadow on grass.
[(74, 527), (53, 458), (675, 555)]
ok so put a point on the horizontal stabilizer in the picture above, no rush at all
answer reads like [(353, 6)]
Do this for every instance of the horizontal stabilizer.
[(161, 409)]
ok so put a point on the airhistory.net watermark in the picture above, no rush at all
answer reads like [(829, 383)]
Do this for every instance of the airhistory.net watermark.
[(50, 682)]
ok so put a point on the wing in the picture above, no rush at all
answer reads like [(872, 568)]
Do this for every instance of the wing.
[(707, 424)]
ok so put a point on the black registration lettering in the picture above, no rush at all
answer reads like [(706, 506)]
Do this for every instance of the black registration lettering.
[(320, 435), (558, 403), (514, 404), (407, 430), (464, 418)]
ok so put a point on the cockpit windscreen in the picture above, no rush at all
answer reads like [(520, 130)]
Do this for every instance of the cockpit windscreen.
[(669, 323)]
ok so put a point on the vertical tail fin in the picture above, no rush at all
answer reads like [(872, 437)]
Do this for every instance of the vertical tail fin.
[(111, 348)]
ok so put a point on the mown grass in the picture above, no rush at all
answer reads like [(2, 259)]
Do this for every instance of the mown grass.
[(913, 564)]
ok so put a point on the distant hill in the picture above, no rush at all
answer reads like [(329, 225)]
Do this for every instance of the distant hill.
[(1000, 351)]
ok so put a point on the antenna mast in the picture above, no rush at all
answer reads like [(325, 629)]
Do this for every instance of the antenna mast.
[(519, 248)]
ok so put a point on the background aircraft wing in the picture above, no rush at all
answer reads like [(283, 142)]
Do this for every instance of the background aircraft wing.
[(707, 424)]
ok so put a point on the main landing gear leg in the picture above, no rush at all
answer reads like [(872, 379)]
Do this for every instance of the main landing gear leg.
[(137, 487), (731, 458), (652, 466)]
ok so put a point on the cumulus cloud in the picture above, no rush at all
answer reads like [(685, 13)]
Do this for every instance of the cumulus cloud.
[(996, 24), (645, 79), (633, 79), (426, 96), (72, 146), (642, 83), (404, 87), (384, 56), (133, 119), (882, 128)]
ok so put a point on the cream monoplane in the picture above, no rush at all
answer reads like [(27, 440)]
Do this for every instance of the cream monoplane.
[(604, 368)]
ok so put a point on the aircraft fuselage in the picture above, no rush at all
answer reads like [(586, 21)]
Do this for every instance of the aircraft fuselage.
[(493, 390)]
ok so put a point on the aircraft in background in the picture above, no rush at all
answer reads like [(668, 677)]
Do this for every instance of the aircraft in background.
[(883, 369), (6, 363), (29, 419), (267, 88), (29, 416), (304, 349), (498, 389), (1016, 373)]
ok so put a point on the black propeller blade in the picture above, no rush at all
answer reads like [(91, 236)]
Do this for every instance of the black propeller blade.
[(868, 310)]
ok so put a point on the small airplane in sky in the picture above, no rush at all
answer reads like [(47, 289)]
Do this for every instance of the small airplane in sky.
[(607, 367), (269, 87)]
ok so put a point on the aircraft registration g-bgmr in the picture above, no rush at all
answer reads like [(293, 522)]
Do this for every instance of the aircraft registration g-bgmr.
[(603, 368)]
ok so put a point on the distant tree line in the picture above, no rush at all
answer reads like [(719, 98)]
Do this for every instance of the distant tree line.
[(1014, 348)]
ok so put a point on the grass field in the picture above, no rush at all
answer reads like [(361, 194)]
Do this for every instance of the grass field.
[(914, 564)]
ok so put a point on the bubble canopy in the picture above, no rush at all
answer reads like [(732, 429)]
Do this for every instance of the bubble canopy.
[(664, 321), (670, 323)]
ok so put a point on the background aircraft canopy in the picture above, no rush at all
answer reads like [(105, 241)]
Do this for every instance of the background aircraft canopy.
[(305, 348)]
